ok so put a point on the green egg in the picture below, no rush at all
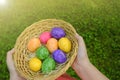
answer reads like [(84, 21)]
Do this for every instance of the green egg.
[(42, 53), (48, 65)]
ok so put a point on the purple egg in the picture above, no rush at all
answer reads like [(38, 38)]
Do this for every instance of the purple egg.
[(59, 56), (57, 32)]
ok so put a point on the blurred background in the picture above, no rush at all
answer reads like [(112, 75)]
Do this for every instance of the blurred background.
[(98, 21)]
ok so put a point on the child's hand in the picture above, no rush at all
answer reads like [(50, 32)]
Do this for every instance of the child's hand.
[(10, 64), (82, 57)]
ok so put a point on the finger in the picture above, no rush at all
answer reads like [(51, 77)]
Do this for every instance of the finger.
[(9, 55), (82, 47), (80, 40), (9, 59), (11, 51)]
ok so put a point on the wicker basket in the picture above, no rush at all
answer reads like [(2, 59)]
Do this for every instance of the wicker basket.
[(22, 55)]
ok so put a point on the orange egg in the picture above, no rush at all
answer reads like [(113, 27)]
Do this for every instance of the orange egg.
[(33, 44), (52, 44)]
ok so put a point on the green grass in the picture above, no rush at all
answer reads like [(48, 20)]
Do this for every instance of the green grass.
[(98, 21)]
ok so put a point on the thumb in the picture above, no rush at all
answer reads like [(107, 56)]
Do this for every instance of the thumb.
[(82, 48), (9, 60)]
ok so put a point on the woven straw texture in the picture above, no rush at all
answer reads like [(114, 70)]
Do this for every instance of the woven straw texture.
[(22, 55)]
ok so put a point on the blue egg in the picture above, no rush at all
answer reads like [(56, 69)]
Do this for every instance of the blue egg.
[(57, 32), (59, 56)]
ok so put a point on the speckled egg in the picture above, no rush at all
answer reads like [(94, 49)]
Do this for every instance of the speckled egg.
[(52, 44), (33, 44), (44, 37), (57, 32), (59, 56), (64, 44), (48, 65), (42, 53)]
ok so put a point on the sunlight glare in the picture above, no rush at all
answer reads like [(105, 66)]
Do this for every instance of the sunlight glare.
[(2, 2)]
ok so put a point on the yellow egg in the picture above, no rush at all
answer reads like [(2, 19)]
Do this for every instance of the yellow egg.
[(52, 44), (33, 44), (35, 64), (64, 44)]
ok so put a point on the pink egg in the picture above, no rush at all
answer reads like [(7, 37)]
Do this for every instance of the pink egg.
[(44, 37)]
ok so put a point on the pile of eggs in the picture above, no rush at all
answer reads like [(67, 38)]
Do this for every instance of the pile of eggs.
[(50, 48)]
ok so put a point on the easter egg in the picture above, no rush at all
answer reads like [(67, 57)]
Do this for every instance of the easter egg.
[(35, 64), (48, 65), (44, 37), (57, 32), (59, 56), (42, 53), (64, 44), (52, 44), (33, 44)]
